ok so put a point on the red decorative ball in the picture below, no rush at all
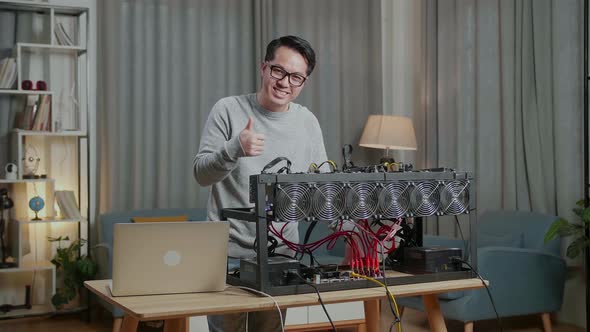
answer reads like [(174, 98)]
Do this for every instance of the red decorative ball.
[(41, 85), (26, 85)]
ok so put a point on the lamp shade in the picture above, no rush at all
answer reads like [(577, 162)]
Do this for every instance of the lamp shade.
[(389, 132)]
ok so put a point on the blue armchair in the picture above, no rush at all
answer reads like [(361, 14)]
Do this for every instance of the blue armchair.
[(526, 276)]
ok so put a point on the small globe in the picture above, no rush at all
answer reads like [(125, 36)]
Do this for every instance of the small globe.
[(36, 204)]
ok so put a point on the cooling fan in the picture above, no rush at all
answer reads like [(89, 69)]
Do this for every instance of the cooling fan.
[(328, 201), (455, 197), (292, 202), (361, 200), (394, 199), (425, 198)]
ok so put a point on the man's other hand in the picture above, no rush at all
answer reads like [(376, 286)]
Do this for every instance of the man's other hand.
[(252, 143)]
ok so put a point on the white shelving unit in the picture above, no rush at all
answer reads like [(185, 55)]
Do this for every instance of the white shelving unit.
[(24, 92), (61, 149)]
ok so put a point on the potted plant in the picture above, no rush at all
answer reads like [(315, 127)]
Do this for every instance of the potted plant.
[(564, 228), (74, 269)]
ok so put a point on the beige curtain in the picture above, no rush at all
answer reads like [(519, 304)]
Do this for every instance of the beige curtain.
[(346, 84), (165, 63), (499, 93)]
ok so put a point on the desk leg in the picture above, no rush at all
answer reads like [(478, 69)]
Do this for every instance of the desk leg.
[(176, 325), (129, 324), (435, 317), (372, 315)]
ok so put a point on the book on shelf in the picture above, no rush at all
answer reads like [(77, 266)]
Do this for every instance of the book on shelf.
[(36, 115), (42, 119), (66, 200), (7, 73), (24, 119)]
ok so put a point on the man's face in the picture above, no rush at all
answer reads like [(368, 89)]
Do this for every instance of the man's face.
[(276, 94)]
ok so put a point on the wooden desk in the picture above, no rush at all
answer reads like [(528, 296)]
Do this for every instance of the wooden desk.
[(175, 309)]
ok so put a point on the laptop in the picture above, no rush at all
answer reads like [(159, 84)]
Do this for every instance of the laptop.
[(169, 257)]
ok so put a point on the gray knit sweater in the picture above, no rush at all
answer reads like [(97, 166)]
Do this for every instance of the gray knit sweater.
[(221, 164)]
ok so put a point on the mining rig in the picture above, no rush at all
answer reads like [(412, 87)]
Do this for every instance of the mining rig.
[(371, 210)]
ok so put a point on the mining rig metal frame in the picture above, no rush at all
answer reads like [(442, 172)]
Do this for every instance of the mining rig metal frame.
[(264, 189)]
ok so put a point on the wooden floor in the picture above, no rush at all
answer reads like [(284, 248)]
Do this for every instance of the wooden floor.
[(413, 321)]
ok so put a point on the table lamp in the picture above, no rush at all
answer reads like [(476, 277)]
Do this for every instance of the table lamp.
[(389, 132)]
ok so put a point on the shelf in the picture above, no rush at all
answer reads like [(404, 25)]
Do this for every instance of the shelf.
[(73, 133), (37, 6), (45, 220), (26, 181), (24, 92), (63, 48), (40, 266), (67, 155), (37, 309)]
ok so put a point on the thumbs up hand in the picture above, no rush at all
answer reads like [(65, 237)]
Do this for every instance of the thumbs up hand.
[(252, 143)]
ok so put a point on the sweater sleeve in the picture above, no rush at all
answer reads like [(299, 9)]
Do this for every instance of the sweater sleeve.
[(218, 150)]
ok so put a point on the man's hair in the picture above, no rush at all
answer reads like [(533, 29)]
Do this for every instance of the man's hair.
[(295, 43)]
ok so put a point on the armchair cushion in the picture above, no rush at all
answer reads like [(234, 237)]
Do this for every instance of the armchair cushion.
[(514, 240), (451, 295)]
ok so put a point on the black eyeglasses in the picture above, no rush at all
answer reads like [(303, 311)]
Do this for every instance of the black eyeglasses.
[(277, 72)]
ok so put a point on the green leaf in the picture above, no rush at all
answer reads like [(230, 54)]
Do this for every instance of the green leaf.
[(578, 211), (55, 262), (59, 299), (571, 229), (74, 268), (577, 247), (584, 214), (580, 203), (557, 227), (87, 268)]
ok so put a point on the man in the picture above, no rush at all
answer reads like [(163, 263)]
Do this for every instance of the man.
[(242, 135)]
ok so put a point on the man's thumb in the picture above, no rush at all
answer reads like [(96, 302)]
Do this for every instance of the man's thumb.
[(249, 124)]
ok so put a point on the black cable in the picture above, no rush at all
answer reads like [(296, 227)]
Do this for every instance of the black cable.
[(311, 257), (396, 319), (465, 245), (346, 155), (274, 243), (319, 298), (307, 236), (274, 162), (487, 289), (472, 269), (333, 166)]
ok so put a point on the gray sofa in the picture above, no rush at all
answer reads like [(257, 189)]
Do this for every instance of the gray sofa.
[(107, 221)]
